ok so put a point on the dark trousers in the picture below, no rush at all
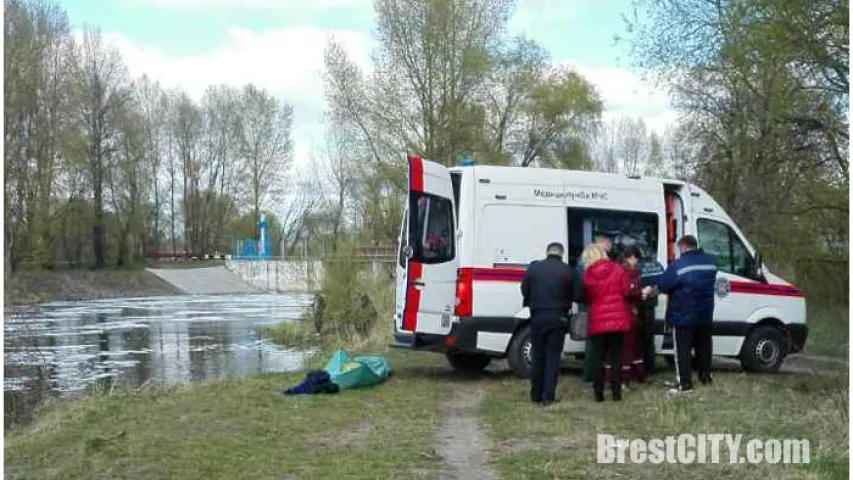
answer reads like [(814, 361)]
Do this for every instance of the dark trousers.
[(548, 336), (686, 339), (607, 345)]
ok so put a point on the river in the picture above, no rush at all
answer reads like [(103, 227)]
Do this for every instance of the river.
[(66, 349)]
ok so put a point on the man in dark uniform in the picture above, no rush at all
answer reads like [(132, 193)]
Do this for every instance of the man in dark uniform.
[(547, 291), (689, 282)]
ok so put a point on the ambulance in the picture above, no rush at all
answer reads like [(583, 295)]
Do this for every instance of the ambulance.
[(469, 232)]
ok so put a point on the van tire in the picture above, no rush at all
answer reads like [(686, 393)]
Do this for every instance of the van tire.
[(764, 350), (468, 362), (519, 351)]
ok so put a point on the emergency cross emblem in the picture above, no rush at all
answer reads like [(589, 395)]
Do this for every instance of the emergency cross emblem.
[(722, 287)]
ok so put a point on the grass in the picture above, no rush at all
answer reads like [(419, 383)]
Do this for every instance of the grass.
[(829, 331), (241, 429), (247, 429), (560, 442)]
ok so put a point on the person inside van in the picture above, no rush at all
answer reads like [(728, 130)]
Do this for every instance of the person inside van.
[(547, 291), (606, 244), (606, 286)]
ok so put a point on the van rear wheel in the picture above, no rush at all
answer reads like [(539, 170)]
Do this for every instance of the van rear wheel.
[(520, 355), (468, 362)]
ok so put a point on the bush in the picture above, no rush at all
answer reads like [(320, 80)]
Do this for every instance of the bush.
[(346, 311)]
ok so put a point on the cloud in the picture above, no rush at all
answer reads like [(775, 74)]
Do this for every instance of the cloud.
[(288, 62), (531, 17), (625, 93)]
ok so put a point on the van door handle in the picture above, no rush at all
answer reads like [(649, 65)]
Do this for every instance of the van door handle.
[(419, 283)]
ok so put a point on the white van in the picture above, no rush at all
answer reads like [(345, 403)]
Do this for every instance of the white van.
[(469, 232)]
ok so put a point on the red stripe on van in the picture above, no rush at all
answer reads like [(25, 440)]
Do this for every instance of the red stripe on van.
[(498, 274), (416, 173), (413, 297), (755, 288)]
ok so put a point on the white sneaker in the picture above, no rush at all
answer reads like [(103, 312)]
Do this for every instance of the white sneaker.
[(677, 392)]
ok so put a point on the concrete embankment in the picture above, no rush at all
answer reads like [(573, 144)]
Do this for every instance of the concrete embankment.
[(204, 281)]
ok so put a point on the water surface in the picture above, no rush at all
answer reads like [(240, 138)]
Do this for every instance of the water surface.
[(74, 348)]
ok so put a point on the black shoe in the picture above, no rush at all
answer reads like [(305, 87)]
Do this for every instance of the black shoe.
[(617, 396), (707, 381), (599, 396), (616, 388)]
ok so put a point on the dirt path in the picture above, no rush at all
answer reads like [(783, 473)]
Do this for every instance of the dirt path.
[(460, 441)]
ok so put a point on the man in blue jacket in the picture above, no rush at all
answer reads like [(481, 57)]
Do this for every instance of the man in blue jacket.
[(689, 282)]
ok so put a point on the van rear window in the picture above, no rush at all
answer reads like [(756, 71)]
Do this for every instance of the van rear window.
[(431, 229)]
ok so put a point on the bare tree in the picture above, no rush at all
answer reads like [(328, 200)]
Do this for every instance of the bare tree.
[(153, 110), (633, 146), (101, 81), (263, 132)]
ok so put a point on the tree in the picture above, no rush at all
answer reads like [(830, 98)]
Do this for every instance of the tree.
[(655, 163), (341, 174), (448, 82), (101, 83), (633, 147), (129, 179), (263, 133), (153, 105), (763, 88), (37, 65)]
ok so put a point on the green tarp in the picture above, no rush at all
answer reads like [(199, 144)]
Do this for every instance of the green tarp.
[(357, 372)]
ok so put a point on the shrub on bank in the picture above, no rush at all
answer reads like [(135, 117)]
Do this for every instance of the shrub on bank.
[(347, 312)]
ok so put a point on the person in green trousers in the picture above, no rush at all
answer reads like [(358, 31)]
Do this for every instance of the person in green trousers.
[(607, 244)]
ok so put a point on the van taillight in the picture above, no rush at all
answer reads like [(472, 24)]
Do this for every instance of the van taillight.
[(464, 293)]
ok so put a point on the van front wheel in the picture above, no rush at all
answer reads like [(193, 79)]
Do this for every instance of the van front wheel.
[(468, 362), (764, 350), (520, 355)]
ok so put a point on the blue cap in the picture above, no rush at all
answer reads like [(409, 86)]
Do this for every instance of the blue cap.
[(467, 162)]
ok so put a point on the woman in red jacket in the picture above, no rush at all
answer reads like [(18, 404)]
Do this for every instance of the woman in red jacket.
[(606, 286)]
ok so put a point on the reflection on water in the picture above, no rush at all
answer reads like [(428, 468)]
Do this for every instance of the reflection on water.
[(72, 348)]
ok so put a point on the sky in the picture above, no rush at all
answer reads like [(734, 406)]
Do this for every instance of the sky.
[(278, 44)]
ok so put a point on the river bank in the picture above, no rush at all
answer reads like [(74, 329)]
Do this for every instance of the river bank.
[(32, 287)]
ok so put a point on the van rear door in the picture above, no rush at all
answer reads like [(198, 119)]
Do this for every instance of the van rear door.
[(427, 263)]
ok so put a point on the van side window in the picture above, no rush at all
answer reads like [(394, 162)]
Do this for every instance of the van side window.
[(719, 240), (431, 231)]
